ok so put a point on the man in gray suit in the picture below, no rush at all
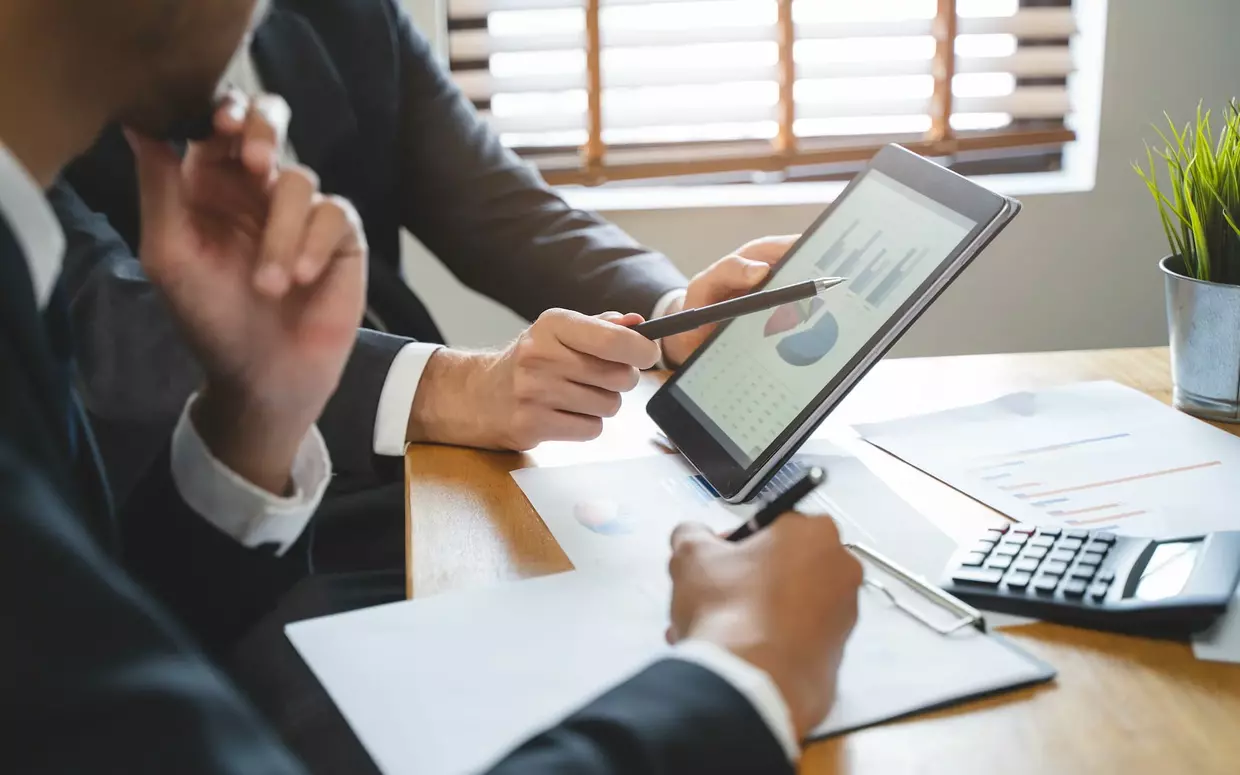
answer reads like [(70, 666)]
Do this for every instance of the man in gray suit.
[(377, 117)]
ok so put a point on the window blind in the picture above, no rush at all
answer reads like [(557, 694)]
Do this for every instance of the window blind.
[(599, 90)]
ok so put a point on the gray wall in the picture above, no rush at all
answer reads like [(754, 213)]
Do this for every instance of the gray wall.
[(1073, 271)]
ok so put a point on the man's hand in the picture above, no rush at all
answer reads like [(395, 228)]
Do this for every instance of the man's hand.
[(558, 380), (266, 276), (727, 278), (784, 600)]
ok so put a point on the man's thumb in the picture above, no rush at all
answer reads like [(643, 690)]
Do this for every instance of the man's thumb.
[(159, 173), (627, 319), (689, 534)]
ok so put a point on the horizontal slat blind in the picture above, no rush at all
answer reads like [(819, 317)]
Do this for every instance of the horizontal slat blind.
[(566, 28), (689, 80)]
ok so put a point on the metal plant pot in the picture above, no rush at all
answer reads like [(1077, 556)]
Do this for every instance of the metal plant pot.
[(1204, 320)]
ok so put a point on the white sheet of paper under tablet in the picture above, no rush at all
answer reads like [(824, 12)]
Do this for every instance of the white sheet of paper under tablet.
[(1094, 456), (447, 685), (621, 512)]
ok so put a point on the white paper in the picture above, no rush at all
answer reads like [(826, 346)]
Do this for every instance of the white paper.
[(894, 665), (449, 684), (1094, 456), (617, 513), (620, 512)]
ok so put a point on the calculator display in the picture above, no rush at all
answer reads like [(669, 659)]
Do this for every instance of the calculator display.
[(1168, 570)]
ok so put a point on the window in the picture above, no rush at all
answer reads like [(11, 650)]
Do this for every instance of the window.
[(596, 91)]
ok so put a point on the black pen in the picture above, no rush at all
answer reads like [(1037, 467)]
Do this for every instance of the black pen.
[(784, 502), (682, 322)]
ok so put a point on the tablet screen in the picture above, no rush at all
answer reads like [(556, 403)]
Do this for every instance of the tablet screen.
[(765, 369)]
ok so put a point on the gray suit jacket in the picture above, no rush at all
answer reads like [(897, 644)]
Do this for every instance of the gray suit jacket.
[(379, 120)]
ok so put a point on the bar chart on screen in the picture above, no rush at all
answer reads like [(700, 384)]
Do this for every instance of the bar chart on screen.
[(1096, 456), (879, 273)]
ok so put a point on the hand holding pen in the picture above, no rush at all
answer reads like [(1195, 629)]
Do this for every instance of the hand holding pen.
[(781, 504), (784, 604)]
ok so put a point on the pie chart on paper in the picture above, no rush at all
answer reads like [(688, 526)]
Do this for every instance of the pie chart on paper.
[(788, 316), (604, 517)]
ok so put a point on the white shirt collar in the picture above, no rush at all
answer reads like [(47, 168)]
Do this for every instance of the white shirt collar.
[(33, 222), (243, 74)]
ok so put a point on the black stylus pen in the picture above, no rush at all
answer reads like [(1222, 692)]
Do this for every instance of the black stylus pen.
[(681, 322), (784, 502)]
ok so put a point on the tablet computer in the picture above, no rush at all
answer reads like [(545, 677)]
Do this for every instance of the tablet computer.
[(901, 231)]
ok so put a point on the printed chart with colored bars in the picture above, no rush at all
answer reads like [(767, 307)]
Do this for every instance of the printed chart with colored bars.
[(1096, 456), (1049, 479)]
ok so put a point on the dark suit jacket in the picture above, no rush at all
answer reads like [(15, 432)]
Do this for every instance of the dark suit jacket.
[(94, 659), (100, 676), (377, 117)]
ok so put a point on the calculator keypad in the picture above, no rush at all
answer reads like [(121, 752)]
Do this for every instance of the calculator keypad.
[(1040, 561)]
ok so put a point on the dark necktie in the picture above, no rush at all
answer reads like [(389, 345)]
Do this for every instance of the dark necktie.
[(80, 442), (59, 337)]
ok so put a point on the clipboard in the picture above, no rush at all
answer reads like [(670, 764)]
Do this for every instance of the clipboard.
[(915, 649), (967, 615)]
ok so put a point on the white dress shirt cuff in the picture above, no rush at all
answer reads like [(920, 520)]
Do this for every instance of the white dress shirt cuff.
[(753, 683), (666, 301), (396, 397), (661, 307), (238, 508)]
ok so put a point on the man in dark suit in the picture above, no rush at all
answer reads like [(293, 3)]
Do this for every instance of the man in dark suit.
[(380, 122), (109, 615)]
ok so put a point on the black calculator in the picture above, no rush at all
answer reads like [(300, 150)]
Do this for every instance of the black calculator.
[(1099, 580)]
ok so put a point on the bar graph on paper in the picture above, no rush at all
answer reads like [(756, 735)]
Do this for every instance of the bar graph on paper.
[(1096, 456), (1093, 483)]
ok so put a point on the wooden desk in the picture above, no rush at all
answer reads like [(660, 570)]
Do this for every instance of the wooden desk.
[(1120, 704)]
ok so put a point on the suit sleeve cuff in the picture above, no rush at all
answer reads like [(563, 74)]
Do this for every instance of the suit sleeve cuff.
[(661, 307), (238, 508), (396, 397), (752, 682)]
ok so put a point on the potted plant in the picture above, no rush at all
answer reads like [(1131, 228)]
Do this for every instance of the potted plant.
[(1199, 204)]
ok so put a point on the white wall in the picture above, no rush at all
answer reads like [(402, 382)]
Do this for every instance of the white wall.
[(1073, 271)]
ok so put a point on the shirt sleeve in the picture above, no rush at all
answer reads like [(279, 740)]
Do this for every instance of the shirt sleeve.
[(401, 384), (666, 301), (661, 307), (753, 683), (396, 397), (239, 508)]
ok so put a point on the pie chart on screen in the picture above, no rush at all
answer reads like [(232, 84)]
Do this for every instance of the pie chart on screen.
[(807, 347), (788, 316), (604, 517)]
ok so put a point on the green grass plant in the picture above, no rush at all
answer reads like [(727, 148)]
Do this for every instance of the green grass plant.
[(1198, 196)]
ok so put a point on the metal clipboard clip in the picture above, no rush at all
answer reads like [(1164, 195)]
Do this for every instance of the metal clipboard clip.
[(967, 615)]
